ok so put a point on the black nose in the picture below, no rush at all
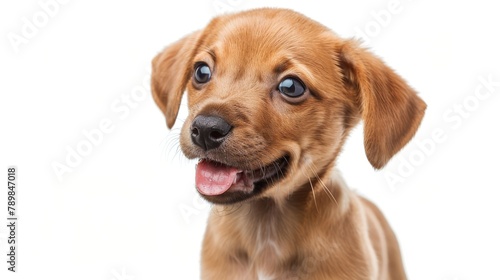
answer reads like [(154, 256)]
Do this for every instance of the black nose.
[(208, 132)]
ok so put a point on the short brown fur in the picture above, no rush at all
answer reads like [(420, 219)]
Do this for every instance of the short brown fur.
[(307, 225)]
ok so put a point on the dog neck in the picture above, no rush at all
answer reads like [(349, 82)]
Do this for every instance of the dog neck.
[(266, 232)]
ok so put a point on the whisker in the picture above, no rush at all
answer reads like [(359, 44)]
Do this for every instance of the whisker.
[(330, 194), (169, 143), (314, 194), (226, 210)]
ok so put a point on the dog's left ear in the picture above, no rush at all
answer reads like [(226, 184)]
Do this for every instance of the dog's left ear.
[(390, 109), (170, 74)]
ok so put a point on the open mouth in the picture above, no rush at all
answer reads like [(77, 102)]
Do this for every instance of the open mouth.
[(224, 184)]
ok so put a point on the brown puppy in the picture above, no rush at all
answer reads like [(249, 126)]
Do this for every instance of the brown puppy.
[(272, 97)]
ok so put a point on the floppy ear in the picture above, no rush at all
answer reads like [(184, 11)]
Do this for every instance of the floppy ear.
[(170, 74), (390, 109)]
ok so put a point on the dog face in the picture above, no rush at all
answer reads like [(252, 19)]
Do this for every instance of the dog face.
[(272, 96)]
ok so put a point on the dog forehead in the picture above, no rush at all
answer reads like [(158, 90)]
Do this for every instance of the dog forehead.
[(262, 35)]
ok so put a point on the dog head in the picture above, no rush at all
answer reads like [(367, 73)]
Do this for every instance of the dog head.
[(272, 96)]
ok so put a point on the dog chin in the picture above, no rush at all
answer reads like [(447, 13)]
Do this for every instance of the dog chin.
[(220, 183)]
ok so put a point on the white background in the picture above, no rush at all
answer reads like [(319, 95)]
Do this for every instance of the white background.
[(117, 214)]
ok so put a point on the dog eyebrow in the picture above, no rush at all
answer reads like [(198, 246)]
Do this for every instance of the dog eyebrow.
[(208, 50), (211, 53), (282, 66)]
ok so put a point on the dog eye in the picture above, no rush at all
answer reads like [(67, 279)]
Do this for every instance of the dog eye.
[(291, 87), (202, 73)]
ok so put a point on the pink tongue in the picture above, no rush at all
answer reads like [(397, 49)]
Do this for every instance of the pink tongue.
[(212, 179)]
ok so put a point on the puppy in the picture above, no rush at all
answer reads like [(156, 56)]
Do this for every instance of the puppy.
[(272, 97)]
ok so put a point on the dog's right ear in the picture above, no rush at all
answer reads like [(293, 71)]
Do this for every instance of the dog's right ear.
[(390, 108), (171, 71)]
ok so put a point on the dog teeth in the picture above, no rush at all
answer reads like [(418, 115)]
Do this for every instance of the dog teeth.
[(237, 177)]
